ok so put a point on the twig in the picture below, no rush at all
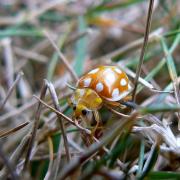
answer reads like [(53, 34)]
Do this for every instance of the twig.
[(28, 54), (56, 105), (6, 162), (18, 111), (23, 108), (8, 56), (51, 157), (6, 133), (63, 116), (36, 123), (146, 36), (63, 58), (15, 156), (20, 74)]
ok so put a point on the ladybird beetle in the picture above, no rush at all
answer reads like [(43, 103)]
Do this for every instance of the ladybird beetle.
[(103, 85)]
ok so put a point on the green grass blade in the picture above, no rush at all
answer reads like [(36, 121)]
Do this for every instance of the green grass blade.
[(80, 48), (54, 60), (21, 32), (150, 162), (159, 66), (164, 175), (141, 158), (160, 108), (172, 33), (107, 5), (170, 61)]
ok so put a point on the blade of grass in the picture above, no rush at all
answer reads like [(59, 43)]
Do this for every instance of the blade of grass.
[(11, 131), (158, 67), (150, 162), (55, 57), (51, 158), (121, 146), (141, 158), (160, 108), (8, 165), (163, 175), (35, 127), (172, 71), (18, 78), (21, 33), (172, 33), (81, 46), (17, 154), (63, 58), (109, 6), (146, 36)]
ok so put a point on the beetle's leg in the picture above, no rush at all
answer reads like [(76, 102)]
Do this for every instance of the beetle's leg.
[(127, 98), (97, 119), (130, 104), (114, 104)]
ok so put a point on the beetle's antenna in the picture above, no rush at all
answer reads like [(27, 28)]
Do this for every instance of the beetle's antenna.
[(146, 36), (70, 86)]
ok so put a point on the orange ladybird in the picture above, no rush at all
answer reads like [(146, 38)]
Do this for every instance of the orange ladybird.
[(105, 84)]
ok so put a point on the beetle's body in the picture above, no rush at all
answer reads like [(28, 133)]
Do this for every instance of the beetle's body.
[(109, 82), (103, 85)]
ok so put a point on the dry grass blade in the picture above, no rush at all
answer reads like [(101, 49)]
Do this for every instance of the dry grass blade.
[(11, 131), (51, 158), (146, 36), (17, 154), (63, 116), (19, 76), (56, 105), (35, 126), (18, 111), (30, 55), (63, 58), (8, 56), (6, 162)]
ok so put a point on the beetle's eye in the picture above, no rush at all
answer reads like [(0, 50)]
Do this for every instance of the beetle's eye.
[(74, 108), (84, 112)]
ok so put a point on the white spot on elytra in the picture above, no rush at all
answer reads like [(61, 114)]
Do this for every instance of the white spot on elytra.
[(109, 76), (87, 82), (118, 70), (115, 93), (123, 82), (99, 87), (94, 71)]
